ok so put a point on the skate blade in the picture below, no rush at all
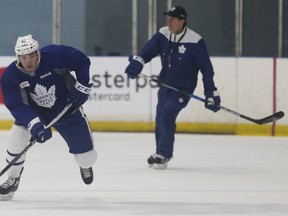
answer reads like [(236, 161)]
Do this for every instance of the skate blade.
[(160, 166), (150, 165), (7, 197)]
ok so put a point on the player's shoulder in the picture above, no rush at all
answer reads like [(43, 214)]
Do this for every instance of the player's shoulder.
[(53, 52), (11, 68), (52, 48), (56, 50), (164, 31), (11, 73), (12, 65), (191, 36)]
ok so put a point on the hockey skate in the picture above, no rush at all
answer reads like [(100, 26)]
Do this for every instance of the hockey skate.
[(158, 161), (87, 175), (8, 188)]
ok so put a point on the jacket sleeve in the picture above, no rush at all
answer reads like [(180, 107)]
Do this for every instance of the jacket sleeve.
[(151, 48), (203, 61)]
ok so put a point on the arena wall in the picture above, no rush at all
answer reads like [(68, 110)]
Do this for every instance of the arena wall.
[(256, 87)]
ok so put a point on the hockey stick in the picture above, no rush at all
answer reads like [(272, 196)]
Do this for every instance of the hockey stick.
[(265, 120), (33, 141)]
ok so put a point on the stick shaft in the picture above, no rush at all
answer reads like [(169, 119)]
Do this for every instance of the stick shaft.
[(265, 120)]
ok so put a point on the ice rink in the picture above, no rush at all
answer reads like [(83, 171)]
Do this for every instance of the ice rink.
[(210, 175)]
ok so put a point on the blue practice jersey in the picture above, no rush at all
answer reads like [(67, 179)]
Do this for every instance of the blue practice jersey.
[(44, 93), (182, 57)]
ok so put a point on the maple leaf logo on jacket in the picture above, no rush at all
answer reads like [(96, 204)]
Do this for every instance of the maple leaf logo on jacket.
[(182, 49), (43, 97)]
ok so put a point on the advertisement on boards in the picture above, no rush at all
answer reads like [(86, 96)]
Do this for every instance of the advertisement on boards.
[(116, 97)]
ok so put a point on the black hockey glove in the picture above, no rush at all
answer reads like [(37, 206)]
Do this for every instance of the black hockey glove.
[(39, 133), (135, 66), (79, 94), (212, 100)]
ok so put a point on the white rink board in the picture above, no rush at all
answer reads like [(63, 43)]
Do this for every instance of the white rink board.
[(245, 85), (254, 86), (282, 88)]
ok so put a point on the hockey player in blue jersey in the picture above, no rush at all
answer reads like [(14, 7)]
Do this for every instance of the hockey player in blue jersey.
[(183, 54), (36, 87)]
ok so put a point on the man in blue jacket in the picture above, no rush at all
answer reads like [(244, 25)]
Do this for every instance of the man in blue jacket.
[(36, 87), (183, 54)]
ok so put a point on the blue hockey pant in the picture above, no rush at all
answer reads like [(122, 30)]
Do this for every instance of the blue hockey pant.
[(75, 130)]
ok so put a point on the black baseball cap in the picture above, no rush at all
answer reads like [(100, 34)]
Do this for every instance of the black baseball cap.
[(177, 11)]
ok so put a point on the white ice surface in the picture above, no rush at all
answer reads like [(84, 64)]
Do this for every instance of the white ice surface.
[(210, 175)]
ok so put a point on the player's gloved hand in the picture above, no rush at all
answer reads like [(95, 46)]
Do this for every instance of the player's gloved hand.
[(212, 100), (39, 133), (79, 94), (135, 66)]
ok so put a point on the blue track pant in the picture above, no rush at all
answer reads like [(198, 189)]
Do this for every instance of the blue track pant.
[(170, 103)]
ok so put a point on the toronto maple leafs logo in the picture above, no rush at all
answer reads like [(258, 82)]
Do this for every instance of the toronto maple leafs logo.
[(181, 100), (182, 49), (43, 97)]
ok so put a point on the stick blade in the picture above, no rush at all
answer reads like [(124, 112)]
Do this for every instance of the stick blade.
[(271, 118), (7, 197)]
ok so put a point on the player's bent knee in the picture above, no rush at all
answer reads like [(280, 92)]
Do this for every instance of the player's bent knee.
[(18, 138), (87, 159)]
